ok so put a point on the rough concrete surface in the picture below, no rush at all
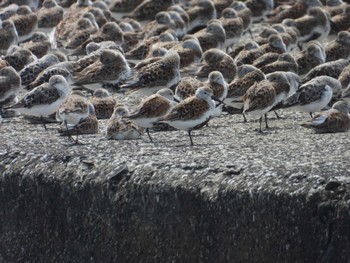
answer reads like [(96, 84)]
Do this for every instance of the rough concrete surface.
[(235, 196)]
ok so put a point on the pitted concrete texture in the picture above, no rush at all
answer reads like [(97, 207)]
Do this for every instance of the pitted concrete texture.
[(235, 196)]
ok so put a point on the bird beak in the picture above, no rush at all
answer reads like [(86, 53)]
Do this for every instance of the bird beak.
[(176, 100), (220, 101)]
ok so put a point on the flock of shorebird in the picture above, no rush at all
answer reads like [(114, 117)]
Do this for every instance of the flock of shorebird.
[(193, 62)]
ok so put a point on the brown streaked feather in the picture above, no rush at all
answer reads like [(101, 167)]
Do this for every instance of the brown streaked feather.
[(188, 109), (154, 106)]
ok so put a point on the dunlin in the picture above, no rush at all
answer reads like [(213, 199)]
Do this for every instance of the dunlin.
[(110, 68), (309, 58), (32, 70), (334, 120), (200, 14), (39, 44), (213, 36), (339, 48), (19, 57), (331, 69), (119, 128), (26, 22), (50, 14), (215, 59), (8, 35), (64, 69), (10, 84), (103, 103), (151, 109), (45, 99), (193, 112), (259, 99), (162, 73)]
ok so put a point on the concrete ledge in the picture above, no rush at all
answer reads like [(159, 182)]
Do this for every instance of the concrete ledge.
[(240, 198)]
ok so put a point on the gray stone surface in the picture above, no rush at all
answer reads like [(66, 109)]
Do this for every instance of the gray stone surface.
[(236, 196)]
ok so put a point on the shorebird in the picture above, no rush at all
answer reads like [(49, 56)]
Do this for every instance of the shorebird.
[(192, 113), (19, 57), (26, 22), (103, 103), (119, 128), (200, 14), (10, 84), (259, 99), (216, 59), (334, 120), (213, 36), (162, 73), (39, 44), (50, 14), (152, 109), (339, 48), (110, 68), (8, 35), (32, 70), (44, 99)]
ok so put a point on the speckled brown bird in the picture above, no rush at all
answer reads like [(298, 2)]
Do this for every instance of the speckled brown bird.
[(39, 44), (285, 62), (334, 120), (119, 128), (162, 73), (331, 69), (213, 36), (103, 103), (296, 10), (8, 35), (259, 99), (26, 22), (216, 59), (338, 48), (110, 68), (19, 57), (309, 58), (152, 108), (50, 14)]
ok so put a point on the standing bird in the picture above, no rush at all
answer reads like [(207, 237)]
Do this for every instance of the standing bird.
[(44, 99), (74, 110), (193, 112), (259, 99), (151, 109), (162, 73), (311, 97)]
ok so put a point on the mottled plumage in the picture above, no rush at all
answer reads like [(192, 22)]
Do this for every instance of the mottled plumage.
[(44, 99), (110, 68), (193, 112), (10, 84), (334, 120), (32, 70), (119, 128), (103, 103), (339, 48), (50, 14), (215, 59), (162, 73)]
